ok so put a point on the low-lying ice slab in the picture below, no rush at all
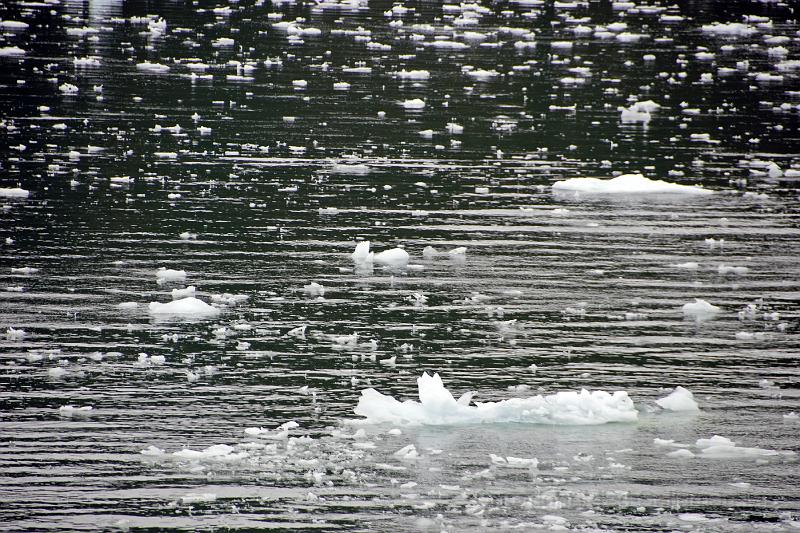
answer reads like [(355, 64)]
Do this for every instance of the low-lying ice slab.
[(626, 184), (187, 307), (15, 192), (437, 406)]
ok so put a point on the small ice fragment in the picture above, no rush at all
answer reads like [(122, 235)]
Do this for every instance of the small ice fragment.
[(314, 289), (177, 294), (678, 400), (164, 275), (700, 309)]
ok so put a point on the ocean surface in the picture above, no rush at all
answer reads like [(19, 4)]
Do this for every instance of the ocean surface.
[(246, 147)]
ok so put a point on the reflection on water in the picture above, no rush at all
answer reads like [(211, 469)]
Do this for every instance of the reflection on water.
[(251, 144)]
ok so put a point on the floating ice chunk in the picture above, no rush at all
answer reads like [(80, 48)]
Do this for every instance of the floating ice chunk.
[(362, 255), (437, 406), (15, 334), (413, 74), (691, 265), (177, 294), (219, 453), (229, 299), (416, 103), (128, 305), (681, 454), (13, 25), (194, 497), (299, 332), (407, 453), (736, 270), (341, 86), (679, 400), (152, 451), (11, 51), (700, 309), (723, 448), (396, 257), (279, 433), (25, 271), (314, 289), (164, 275), (156, 68), (299, 84), (189, 307), (187, 236), (69, 411), (626, 184), (15, 192), (731, 29)]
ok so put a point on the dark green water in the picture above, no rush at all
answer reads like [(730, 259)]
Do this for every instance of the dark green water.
[(265, 186)]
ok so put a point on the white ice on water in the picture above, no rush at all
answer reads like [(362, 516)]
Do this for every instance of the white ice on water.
[(14, 192), (679, 400), (437, 406), (700, 309), (395, 257), (189, 307), (626, 184)]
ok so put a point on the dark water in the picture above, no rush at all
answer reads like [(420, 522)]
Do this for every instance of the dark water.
[(275, 195)]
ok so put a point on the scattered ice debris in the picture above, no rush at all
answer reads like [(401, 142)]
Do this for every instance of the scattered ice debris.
[(437, 406), (128, 305), (194, 497), (15, 334), (69, 411), (166, 275), (145, 360), (679, 400), (691, 265), (279, 433), (188, 307), (407, 453), (229, 299), (177, 294), (14, 192), (68, 88), (626, 184), (700, 309), (791, 417), (314, 289), (514, 462)]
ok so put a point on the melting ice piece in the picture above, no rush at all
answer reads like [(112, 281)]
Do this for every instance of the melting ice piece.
[(177, 294), (700, 309), (723, 448), (188, 307), (70, 411), (437, 406), (626, 184), (164, 275), (15, 192), (678, 400), (396, 257), (362, 255), (314, 289)]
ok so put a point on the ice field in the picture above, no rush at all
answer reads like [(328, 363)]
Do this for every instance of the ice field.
[(343, 265)]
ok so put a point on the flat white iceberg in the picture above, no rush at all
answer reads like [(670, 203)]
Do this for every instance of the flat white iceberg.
[(189, 307), (718, 447), (396, 257), (15, 192), (437, 406), (679, 400), (626, 184)]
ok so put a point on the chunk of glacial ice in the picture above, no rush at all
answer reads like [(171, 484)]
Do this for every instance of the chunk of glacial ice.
[(437, 406), (700, 309), (164, 275), (15, 192), (679, 400), (188, 307), (626, 184)]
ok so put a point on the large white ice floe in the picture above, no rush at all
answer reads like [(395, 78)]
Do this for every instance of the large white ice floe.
[(437, 406), (626, 184), (185, 307)]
